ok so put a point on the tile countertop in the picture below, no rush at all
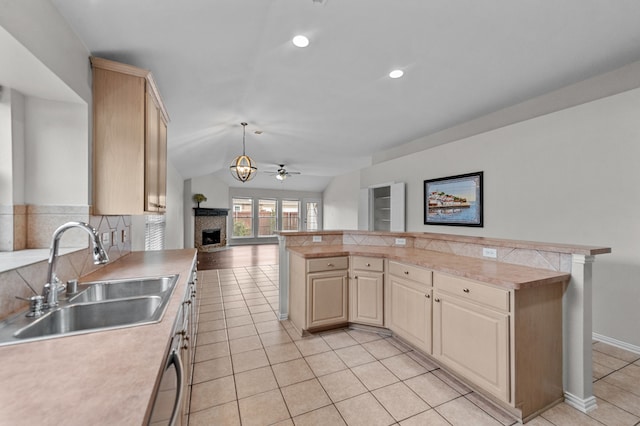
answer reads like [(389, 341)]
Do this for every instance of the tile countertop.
[(105, 377), (500, 274)]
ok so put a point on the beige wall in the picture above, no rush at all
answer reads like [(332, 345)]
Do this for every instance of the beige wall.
[(339, 203)]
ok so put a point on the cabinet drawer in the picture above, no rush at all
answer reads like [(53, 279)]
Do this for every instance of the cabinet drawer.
[(375, 264), (327, 264), (472, 291), (410, 272)]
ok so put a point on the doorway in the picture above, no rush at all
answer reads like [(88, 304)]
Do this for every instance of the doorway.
[(311, 215)]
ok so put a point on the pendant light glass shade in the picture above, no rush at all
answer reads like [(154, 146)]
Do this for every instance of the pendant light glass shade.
[(243, 168)]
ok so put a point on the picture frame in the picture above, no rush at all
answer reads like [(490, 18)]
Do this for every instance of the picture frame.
[(454, 200)]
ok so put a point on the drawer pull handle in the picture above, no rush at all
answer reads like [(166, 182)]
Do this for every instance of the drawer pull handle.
[(437, 300), (330, 264), (427, 296), (356, 277), (368, 264), (466, 290), (406, 272)]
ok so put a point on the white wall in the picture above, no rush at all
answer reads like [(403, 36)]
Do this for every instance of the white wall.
[(38, 26), (18, 124), (174, 236), (216, 191), (568, 177), (339, 203), (57, 152), (6, 149)]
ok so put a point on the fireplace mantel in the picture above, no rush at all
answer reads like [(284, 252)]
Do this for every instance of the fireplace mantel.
[(201, 211)]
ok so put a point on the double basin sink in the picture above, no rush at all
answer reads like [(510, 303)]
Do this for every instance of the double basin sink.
[(100, 305)]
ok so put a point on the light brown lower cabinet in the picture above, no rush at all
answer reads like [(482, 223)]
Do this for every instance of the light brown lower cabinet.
[(508, 343), (366, 291), (318, 292), (473, 341), (328, 302), (409, 299)]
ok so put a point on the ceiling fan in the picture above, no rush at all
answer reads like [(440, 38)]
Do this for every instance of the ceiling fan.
[(281, 174)]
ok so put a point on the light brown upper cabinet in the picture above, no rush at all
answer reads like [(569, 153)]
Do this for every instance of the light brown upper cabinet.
[(129, 141)]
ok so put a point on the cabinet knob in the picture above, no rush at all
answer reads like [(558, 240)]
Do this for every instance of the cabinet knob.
[(436, 300), (368, 264), (428, 296), (406, 272), (330, 264), (356, 277), (466, 290)]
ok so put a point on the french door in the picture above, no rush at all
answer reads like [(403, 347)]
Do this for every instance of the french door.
[(311, 215)]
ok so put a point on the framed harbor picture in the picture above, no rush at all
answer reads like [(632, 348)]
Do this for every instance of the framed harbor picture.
[(454, 200)]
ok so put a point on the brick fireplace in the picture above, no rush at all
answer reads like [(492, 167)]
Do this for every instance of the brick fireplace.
[(210, 228)]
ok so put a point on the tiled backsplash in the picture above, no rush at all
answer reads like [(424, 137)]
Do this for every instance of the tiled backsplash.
[(533, 257), (28, 280)]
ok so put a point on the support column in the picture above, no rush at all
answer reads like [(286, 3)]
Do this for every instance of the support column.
[(577, 335), (283, 278)]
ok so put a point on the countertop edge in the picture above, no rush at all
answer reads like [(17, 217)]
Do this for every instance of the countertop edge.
[(587, 250), (489, 272)]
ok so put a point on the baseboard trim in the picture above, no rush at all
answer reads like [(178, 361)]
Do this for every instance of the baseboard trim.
[(585, 405), (617, 343)]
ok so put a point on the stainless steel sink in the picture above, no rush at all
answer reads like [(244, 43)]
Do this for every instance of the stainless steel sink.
[(118, 289), (101, 305), (91, 316)]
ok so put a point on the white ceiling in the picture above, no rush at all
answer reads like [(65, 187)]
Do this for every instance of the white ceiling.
[(325, 109)]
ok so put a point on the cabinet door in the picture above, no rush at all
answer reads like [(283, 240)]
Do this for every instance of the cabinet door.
[(473, 341), (366, 295), (410, 312), (151, 155), (162, 165), (118, 143), (327, 299)]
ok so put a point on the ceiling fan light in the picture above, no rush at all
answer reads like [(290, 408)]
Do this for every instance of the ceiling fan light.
[(396, 73), (300, 41), (281, 176)]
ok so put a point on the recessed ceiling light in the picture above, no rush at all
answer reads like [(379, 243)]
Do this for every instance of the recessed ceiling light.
[(300, 41), (396, 73)]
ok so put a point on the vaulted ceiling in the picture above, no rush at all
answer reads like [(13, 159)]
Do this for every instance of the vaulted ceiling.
[(324, 109)]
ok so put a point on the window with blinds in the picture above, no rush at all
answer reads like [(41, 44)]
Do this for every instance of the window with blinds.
[(154, 230)]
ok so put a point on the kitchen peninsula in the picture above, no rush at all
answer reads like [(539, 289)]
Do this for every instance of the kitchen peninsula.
[(516, 327)]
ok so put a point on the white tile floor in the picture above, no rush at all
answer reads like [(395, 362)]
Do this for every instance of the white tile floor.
[(252, 369)]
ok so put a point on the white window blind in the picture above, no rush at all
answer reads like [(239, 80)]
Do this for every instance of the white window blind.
[(154, 230)]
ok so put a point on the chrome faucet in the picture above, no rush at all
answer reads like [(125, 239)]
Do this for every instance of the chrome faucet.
[(52, 286)]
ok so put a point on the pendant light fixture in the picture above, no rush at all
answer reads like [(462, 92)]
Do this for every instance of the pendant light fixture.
[(243, 167)]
